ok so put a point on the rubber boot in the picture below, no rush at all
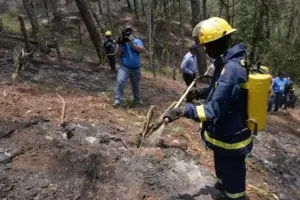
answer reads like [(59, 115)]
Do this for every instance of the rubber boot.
[(227, 198), (219, 186)]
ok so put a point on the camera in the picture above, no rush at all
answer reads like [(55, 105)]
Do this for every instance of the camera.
[(124, 38)]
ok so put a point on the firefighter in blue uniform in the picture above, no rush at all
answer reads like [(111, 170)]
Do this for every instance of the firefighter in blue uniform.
[(110, 50), (224, 113)]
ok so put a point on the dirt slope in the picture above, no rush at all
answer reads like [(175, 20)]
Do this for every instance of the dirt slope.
[(94, 156)]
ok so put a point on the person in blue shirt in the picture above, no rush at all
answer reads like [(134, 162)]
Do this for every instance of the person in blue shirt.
[(189, 65), (129, 50), (278, 85), (224, 113)]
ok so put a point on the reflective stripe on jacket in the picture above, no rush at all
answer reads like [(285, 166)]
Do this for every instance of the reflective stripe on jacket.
[(224, 113)]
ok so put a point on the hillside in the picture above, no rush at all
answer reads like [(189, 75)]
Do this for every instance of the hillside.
[(94, 153)]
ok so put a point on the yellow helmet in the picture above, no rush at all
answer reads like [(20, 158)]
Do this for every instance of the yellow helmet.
[(213, 29), (266, 69), (108, 33)]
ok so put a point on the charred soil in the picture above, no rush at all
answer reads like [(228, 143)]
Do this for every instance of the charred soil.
[(93, 154)]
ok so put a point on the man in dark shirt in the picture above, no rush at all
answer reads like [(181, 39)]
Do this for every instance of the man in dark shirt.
[(110, 49)]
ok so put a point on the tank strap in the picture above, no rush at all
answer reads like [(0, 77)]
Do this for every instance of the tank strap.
[(253, 121), (244, 86)]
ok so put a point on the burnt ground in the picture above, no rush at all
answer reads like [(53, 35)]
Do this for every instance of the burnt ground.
[(93, 155)]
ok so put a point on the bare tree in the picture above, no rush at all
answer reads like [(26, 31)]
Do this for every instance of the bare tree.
[(91, 25), (129, 5), (150, 38), (136, 7), (30, 8), (196, 18), (204, 9), (181, 27), (227, 5), (166, 9), (109, 14), (143, 7), (56, 13), (24, 32), (100, 7), (195, 6), (46, 9), (257, 34)]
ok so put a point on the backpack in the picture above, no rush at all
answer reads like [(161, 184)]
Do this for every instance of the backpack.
[(257, 86)]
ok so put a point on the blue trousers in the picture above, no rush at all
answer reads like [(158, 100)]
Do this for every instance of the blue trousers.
[(275, 100), (124, 74), (231, 173)]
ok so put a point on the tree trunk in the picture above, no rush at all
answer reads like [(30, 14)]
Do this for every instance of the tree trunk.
[(174, 66), (195, 7), (100, 7), (257, 35), (227, 9), (30, 8), (165, 9), (220, 9), (25, 35), (143, 7), (1, 25), (181, 28), (136, 8), (267, 26), (56, 46), (233, 13), (46, 8), (149, 24), (204, 9), (129, 5), (91, 25), (196, 18), (291, 22), (56, 13), (94, 14), (109, 14)]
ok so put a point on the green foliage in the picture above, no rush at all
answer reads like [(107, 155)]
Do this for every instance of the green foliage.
[(269, 30), (10, 21)]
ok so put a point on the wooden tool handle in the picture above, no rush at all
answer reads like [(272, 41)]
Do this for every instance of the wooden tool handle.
[(185, 93)]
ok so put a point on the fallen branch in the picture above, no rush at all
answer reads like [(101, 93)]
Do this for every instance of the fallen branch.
[(19, 38), (160, 120), (63, 110), (261, 192), (171, 144), (146, 124), (194, 145)]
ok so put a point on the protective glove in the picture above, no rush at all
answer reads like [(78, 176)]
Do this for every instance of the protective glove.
[(173, 114), (195, 93)]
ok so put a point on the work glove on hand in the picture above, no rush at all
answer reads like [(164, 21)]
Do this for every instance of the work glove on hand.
[(195, 93), (173, 114)]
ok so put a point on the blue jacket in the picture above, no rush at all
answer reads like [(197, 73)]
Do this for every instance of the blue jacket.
[(279, 85), (189, 64), (130, 58), (224, 113)]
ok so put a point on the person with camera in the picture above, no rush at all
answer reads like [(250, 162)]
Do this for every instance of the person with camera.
[(129, 50)]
